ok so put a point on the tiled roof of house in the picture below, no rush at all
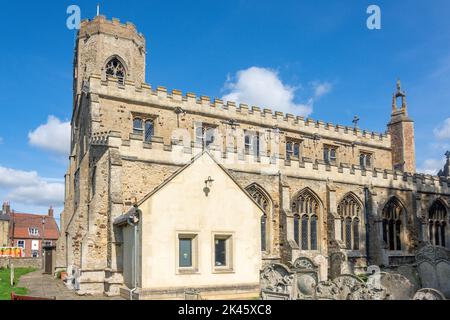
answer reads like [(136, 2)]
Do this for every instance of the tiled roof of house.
[(23, 222)]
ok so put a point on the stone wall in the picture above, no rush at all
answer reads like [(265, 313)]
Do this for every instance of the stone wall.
[(21, 262)]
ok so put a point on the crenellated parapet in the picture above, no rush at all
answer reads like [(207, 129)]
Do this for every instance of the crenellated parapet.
[(114, 27), (243, 113), (134, 149)]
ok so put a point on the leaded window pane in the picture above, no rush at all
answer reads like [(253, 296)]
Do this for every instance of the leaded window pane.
[(333, 154), (348, 233), (296, 230), (398, 230), (368, 160), (149, 130), (297, 150), (391, 235), (443, 240), (326, 154), (385, 231), (263, 232), (137, 126), (264, 203), (313, 233), (356, 234), (437, 233), (288, 150), (305, 233)]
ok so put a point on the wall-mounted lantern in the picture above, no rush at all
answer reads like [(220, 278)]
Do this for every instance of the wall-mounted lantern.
[(208, 186)]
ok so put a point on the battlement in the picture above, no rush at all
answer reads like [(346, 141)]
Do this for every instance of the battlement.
[(101, 24), (135, 149), (190, 102)]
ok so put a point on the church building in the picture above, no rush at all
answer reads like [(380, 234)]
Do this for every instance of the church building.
[(171, 194)]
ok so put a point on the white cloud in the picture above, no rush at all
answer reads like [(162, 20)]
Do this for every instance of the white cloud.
[(321, 89), (262, 87), (442, 132), (27, 187), (431, 166), (54, 136)]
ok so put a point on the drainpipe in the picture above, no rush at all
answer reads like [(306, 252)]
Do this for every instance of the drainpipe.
[(366, 207), (133, 221)]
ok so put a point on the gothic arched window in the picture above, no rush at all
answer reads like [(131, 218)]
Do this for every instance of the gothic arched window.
[(392, 224), (437, 220), (349, 210), (306, 209), (263, 200), (115, 69)]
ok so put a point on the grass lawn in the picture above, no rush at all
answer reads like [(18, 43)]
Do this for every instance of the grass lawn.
[(5, 288)]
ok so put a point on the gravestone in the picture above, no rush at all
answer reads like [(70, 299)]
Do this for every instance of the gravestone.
[(277, 282), (433, 265), (306, 273), (428, 294), (398, 286)]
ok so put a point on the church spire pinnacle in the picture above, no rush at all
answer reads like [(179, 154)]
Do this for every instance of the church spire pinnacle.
[(399, 94)]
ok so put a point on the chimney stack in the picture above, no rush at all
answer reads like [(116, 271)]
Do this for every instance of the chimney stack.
[(50, 212), (6, 208)]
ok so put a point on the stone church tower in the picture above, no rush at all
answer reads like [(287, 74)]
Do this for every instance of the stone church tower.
[(117, 53), (401, 128), (100, 43)]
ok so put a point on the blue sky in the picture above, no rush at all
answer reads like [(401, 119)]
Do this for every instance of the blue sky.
[(319, 52)]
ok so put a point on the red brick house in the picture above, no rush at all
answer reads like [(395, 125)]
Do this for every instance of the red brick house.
[(27, 231)]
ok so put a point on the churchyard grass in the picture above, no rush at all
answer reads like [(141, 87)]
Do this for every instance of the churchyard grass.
[(5, 287)]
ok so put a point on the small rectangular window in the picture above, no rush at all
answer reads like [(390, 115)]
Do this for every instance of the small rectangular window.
[(292, 150), (329, 154), (187, 253), (365, 160), (205, 135), (223, 252), (21, 244), (252, 143)]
